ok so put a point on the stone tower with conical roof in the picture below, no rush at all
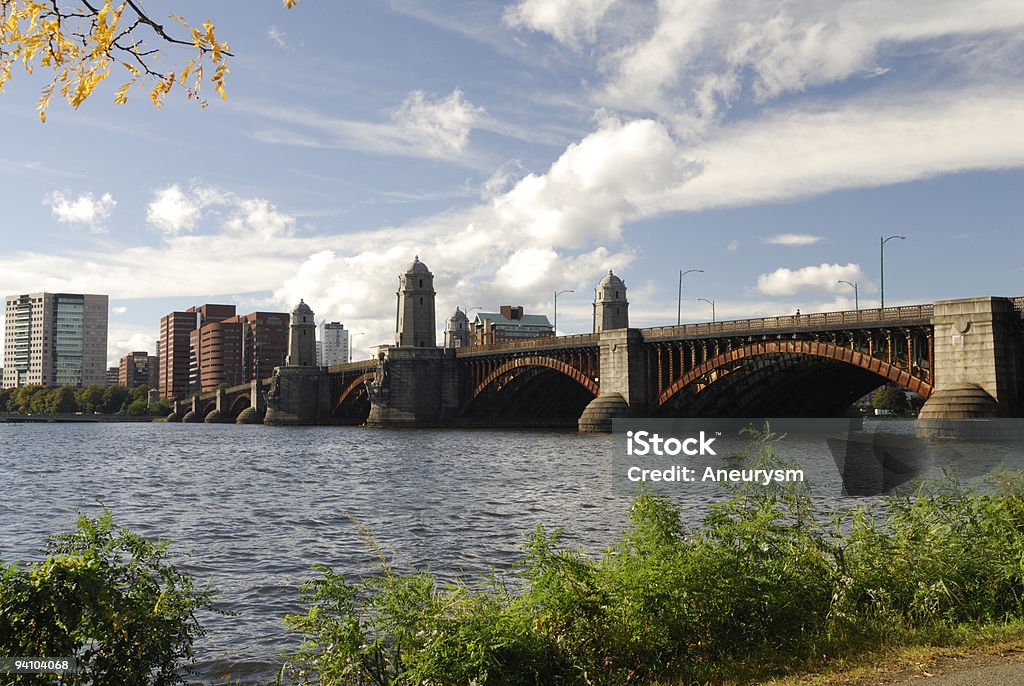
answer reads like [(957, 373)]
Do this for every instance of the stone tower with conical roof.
[(611, 309), (456, 330), (301, 338), (415, 318)]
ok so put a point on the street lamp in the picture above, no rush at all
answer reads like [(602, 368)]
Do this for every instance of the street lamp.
[(712, 303), (856, 297), (558, 293), (351, 337), (679, 306), (881, 260)]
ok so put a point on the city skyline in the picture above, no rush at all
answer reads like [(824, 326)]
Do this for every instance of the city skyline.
[(526, 148)]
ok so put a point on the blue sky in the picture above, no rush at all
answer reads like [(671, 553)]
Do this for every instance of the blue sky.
[(525, 147)]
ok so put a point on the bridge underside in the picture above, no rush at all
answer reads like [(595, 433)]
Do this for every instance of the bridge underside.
[(528, 397), (774, 385)]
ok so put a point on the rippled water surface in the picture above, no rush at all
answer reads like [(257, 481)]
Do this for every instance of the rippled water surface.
[(257, 506)]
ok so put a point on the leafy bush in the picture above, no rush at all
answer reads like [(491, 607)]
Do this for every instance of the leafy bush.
[(764, 584), (108, 597)]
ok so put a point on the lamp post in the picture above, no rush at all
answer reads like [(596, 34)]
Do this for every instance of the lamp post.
[(679, 306), (712, 303), (856, 297), (352, 338), (881, 261), (558, 293)]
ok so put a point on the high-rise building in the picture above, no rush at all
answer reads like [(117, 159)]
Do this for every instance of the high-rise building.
[(55, 339), (207, 346), (215, 355), (333, 346), (174, 345), (138, 369), (264, 343)]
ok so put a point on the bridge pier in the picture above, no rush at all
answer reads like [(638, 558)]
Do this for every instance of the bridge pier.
[(414, 387), (219, 414), (193, 414), (623, 381), (257, 410), (979, 367), (298, 396)]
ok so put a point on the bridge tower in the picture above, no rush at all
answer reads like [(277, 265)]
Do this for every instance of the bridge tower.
[(299, 391), (415, 316), (611, 309), (623, 375), (456, 330), (301, 337)]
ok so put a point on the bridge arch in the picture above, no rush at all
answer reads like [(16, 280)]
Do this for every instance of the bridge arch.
[(353, 402), (827, 374), (237, 404), (529, 390), (536, 361)]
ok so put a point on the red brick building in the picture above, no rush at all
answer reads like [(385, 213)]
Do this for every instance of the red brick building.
[(215, 355), (264, 343), (207, 346), (139, 369), (174, 346)]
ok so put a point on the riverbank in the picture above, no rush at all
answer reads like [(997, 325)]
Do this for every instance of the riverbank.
[(66, 418)]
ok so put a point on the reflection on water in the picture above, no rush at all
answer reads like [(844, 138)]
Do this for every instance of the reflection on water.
[(257, 506)]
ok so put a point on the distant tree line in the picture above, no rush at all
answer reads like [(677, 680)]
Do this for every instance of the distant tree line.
[(91, 399)]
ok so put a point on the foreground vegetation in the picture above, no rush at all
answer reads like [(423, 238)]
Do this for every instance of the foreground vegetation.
[(108, 597), (764, 585)]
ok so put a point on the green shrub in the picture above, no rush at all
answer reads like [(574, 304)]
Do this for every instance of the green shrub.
[(764, 584), (108, 597)]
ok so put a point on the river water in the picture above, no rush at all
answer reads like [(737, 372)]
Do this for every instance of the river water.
[(257, 506)]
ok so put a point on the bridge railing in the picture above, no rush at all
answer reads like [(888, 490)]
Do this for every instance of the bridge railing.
[(795, 321), (349, 366), (535, 343)]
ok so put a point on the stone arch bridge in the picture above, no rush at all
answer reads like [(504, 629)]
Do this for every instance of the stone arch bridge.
[(964, 357)]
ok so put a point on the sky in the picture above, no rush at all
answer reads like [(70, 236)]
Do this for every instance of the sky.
[(526, 147)]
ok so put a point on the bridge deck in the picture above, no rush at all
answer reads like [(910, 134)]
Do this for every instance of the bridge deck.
[(905, 315), (585, 340)]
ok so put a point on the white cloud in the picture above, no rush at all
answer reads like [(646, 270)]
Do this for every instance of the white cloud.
[(172, 212), (823, 277), (689, 60), (277, 36), (792, 239), (421, 126), (733, 245), (85, 209), (859, 143), (617, 173), (441, 125), (118, 310), (567, 21)]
